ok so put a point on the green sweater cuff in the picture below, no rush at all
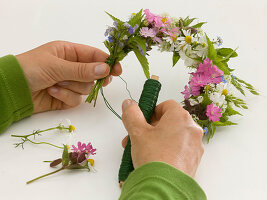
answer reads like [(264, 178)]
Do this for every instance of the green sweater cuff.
[(15, 96), (157, 180)]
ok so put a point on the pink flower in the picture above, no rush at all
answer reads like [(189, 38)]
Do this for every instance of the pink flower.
[(213, 72), (82, 147), (149, 16), (199, 79), (157, 39), (147, 32), (186, 92), (158, 21), (213, 112)]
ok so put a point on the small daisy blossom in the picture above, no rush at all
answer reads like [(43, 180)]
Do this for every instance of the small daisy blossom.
[(213, 112)]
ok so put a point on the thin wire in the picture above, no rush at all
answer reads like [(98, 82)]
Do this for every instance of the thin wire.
[(126, 87), (108, 105)]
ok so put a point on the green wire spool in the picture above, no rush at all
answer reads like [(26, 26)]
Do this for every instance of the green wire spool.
[(147, 104)]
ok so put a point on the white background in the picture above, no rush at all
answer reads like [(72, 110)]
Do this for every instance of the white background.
[(235, 162)]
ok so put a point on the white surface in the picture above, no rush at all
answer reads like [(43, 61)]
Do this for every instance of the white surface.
[(234, 164)]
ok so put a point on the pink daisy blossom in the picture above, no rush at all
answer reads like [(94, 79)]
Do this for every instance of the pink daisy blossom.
[(158, 21), (82, 147), (203, 67), (213, 112), (199, 79), (147, 32), (149, 16), (186, 92), (211, 71)]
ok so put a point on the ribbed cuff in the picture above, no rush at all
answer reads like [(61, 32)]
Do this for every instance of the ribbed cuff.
[(172, 181), (16, 88)]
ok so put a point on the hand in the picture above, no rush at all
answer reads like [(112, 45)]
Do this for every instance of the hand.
[(173, 137), (59, 72)]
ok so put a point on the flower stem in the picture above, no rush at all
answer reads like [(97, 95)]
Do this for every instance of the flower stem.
[(45, 175), (44, 143)]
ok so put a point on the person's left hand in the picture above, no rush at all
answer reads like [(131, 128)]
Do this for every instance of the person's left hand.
[(59, 72)]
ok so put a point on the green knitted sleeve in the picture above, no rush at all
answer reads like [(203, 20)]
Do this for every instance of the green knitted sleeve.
[(15, 96), (160, 181)]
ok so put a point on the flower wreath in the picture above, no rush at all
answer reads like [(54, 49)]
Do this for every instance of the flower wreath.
[(209, 96)]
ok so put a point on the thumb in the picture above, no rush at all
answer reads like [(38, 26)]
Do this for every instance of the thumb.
[(133, 118), (82, 72)]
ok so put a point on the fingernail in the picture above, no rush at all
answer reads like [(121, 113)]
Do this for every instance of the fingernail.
[(53, 90), (100, 69), (64, 83), (126, 103), (110, 79), (91, 86)]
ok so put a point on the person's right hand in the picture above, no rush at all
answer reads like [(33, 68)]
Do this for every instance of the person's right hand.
[(173, 137)]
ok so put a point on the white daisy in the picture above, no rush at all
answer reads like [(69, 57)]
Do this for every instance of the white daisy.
[(202, 47), (186, 41)]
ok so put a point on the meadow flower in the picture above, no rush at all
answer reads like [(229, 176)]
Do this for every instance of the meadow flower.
[(186, 40), (205, 130), (82, 147), (186, 92), (108, 31), (131, 30), (149, 16), (213, 112), (217, 98), (110, 39), (147, 32), (202, 47)]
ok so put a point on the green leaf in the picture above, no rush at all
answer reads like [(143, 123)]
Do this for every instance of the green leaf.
[(230, 111), (212, 54), (188, 21), (135, 41), (227, 123), (65, 156), (238, 86), (226, 52), (222, 66), (212, 129), (248, 86), (227, 57), (114, 18), (143, 61), (198, 25), (175, 58), (136, 19)]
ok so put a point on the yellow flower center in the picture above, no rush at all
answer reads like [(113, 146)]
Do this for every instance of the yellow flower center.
[(91, 161), (188, 39), (174, 38), (164, 19), (203, 44), (225, 92), (71, 128), (133, 13)]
